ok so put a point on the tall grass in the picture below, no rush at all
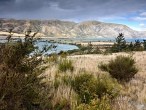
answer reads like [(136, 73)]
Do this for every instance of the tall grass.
[(65, 65)]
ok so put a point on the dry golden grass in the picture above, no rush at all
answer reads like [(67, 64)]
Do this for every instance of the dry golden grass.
[(134, 92), (133, 95)]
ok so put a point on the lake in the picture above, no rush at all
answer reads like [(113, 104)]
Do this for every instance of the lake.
[(57, 49), (66, 47), (40, 44)]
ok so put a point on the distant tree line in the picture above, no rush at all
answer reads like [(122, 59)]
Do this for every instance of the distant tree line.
[(121, 45)]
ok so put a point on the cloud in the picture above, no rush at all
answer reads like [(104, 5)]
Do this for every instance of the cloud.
[(69, 9), (143, 14), (15, 6), (139, 18), (141, 24)]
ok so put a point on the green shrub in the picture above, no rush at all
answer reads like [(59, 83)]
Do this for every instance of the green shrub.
[(89, 87), (122, 68), (85, 86), (65, 65), (96, 104), (20, 77)]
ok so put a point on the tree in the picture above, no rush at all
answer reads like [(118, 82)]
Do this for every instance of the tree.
[(144, 44), (20, 86), (138, 46), (10, 34), (131, 46), (120, 44), (1, 24)]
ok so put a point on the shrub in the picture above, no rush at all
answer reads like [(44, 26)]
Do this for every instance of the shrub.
[(65, 65), (96, 104), (20, 85), (122, 68), (89, 87), (85, 86)]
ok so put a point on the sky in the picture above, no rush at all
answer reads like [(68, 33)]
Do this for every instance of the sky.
[(129, 12)]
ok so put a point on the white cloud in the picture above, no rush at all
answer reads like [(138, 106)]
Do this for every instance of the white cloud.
[(139, 18), (141, 24), (141, 27), (143, 14)]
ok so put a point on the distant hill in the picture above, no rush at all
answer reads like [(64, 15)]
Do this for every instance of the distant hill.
[(57, 28)]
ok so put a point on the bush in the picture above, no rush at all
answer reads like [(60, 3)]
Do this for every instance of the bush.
[(89, 87), (122, 68), (85, 86), (20, 85), (96, 104), (65, 65)]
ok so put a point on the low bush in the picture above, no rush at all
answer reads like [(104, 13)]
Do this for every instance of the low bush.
[(89, 87), (65, 65), (96, 104), (122, 68), (85, 86)]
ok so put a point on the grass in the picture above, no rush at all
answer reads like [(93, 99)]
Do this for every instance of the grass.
[(132, 94), (65, 65)]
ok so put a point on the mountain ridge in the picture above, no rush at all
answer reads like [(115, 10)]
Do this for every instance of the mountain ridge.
[(59, 28)]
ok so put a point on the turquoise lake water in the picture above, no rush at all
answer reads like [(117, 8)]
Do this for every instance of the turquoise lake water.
[(58, 47), (66, 47)]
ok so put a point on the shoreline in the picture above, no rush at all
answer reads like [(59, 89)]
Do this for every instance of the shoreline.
[(64, 40)]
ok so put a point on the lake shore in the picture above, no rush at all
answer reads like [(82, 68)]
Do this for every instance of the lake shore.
[(63, 40)]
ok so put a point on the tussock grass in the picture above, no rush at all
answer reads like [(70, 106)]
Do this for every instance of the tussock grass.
[(132, 94)]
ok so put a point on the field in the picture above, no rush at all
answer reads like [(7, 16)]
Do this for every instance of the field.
[(67, 81), (132, 94)]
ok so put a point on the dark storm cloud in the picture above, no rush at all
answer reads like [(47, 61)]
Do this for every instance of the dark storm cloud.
[(6, 1), (20, 5), (69, 9)]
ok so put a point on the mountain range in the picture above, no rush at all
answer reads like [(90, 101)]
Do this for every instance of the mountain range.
[(58, 28)]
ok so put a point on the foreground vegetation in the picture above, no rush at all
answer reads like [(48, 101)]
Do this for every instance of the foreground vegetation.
[(62, 82), (23, 85)]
